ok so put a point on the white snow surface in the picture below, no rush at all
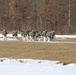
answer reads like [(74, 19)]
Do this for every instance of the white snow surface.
[(57, 36), (34, 67)]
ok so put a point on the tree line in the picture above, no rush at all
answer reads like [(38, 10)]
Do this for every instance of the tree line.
[(38, 15)]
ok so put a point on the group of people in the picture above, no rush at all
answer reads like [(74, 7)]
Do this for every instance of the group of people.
[(38, 35), (4, 33), (32, 35)]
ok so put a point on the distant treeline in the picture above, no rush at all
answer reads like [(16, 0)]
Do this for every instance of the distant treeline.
[(58, 15)]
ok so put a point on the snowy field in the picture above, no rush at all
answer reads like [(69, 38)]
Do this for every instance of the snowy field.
[(57, 36), (9, 66), (66, 36), (34, 67)]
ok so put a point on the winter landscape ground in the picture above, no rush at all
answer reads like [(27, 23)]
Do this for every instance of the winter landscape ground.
[(38, 58)]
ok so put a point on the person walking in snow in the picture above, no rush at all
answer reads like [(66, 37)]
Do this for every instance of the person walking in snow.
[(4, 33)]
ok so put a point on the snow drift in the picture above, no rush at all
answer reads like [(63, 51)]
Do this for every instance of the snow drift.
[(34, 67)]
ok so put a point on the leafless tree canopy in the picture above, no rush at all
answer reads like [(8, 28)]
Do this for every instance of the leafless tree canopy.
[(39, 15)]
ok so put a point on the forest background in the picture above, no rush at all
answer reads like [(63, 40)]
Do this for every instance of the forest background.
[(58, 15)]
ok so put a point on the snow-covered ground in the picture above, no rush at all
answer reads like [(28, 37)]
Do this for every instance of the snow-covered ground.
[(57, 36), (34, 67), (65, 36)]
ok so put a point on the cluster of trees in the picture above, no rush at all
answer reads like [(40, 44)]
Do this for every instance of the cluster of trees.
[(39, 15)]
